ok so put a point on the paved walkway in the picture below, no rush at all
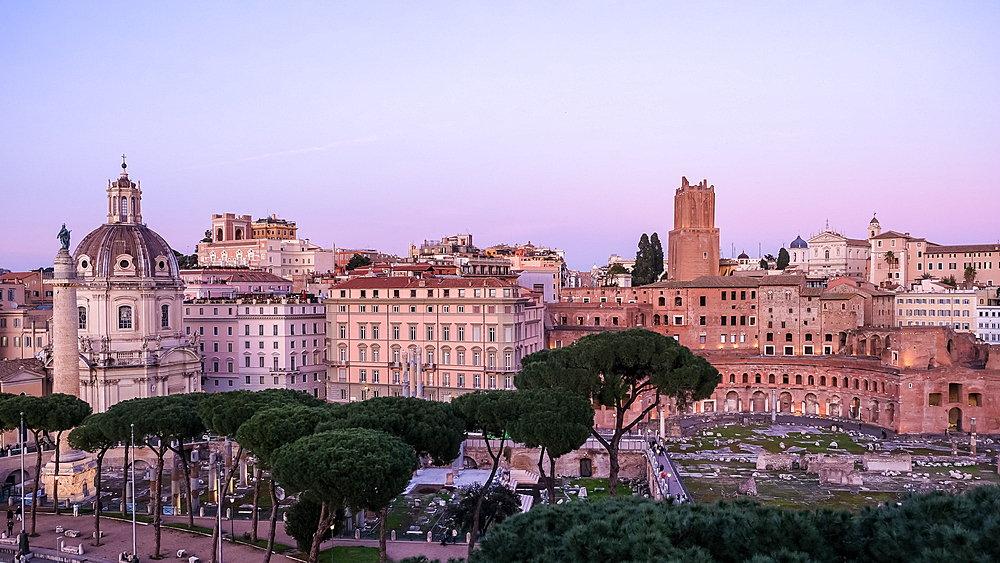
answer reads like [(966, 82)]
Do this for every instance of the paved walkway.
[(118, 538)]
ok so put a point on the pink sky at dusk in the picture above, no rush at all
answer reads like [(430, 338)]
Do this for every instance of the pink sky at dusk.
[(377, 124)]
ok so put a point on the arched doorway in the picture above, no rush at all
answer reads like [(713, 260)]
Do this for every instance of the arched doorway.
[(759, 402), (732, 402), (862, 347), (890, 412), (218, 235), (875, 411), (785, 402), (835, 408), (812, 405), (955, 420), (586, 467), (856, 408)]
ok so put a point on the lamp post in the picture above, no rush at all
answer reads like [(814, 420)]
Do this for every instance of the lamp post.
[(134, 503), (220, 466), (21, 439)]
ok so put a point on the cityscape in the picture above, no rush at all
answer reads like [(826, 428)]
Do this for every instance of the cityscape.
[(387, 345)]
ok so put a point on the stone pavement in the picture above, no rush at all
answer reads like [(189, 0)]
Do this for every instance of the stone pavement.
[(118, 538)]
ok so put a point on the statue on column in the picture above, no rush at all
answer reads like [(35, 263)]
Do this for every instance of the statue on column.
[(63, 237)]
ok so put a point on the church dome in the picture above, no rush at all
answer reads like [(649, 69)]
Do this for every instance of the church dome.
[(125, 250), (799, 243), (124, 247), (743, 256)]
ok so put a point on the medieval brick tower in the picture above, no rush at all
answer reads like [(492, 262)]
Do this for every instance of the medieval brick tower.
[(694, 241)]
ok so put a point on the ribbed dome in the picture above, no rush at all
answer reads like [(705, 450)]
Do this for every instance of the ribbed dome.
[(743, 256), (125, 250), (799, 243)]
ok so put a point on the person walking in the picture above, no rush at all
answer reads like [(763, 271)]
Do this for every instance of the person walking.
[(10, 523)]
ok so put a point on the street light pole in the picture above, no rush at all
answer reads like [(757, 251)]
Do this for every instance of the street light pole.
[(21, 439), (134, 503), (218, 472)]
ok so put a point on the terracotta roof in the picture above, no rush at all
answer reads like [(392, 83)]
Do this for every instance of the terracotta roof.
[(811, 292), (706, 282), (840, 295), (783, 280), (959, 248), (417, 283), (891, 234), (11, 367)]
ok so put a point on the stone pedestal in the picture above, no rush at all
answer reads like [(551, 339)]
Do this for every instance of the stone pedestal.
[(76, 477)]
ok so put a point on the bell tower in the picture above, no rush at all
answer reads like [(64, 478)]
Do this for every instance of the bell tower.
[(874, 228), (694, 240), (124, 199)]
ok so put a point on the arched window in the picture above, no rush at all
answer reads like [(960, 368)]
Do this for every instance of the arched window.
[(663, 302), (125, 317), (239, 234), (83, 317), (124, 211), (218, 236), (827, 255), (677, 301), (164, 316)]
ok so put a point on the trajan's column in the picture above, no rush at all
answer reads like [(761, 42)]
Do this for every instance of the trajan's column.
[(76, 470)]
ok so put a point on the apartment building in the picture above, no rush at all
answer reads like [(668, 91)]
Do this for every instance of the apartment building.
[(935, 304), (434, 338), (259, 343)]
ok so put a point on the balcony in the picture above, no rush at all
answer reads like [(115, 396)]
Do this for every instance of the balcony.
[(337, 363)]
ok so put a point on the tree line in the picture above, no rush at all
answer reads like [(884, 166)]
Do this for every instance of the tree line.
[(930, 528)]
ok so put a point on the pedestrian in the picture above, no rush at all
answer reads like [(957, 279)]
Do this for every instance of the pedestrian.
[(17, 513), (10, 523)]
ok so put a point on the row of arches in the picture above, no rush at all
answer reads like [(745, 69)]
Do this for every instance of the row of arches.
[(859, 384), (869, 409)]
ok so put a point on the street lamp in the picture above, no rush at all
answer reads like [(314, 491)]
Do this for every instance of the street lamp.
[(21, 439), (134, 503), (219, 468)]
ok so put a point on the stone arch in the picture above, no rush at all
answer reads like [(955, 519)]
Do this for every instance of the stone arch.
[(785, 402), (469, 463), (239, 234), (875, 411), (835, 409), (855, 407), (732, 401), (758, 403), (876, 345), (955, 419), (890, 412), (798, 379), (218, 235), (770, 379), (812, 405), (862, 347), (812, 380)]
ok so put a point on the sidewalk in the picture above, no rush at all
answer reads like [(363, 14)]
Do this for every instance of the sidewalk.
[(118, 538)]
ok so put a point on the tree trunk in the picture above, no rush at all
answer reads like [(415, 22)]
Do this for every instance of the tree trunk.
[(254, 518), (552, 479), (613, 465), (55, 477), (482, 494), (222, 493), (383, 552), (97, 504), (157, 519), (541, 470), (273, 522), (38, 482), (325, 519), (186, 488), (125, 466)]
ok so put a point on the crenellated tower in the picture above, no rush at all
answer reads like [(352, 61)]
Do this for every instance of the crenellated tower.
[(694, 241)]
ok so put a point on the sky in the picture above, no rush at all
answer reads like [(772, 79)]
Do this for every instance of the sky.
[(567, 124)]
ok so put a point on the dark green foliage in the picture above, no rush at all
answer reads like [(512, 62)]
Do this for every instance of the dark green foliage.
[(648, 260), (432, 428), (356, 468), (272, 428), (357, 261), (763, 264), (187, 261), (950, 280), (614, 270), (223, 413), (301, 520), (783, 259), (499, 503), (934, 527)]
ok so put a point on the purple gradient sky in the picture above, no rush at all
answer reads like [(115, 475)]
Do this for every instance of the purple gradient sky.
[(376, 124)]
